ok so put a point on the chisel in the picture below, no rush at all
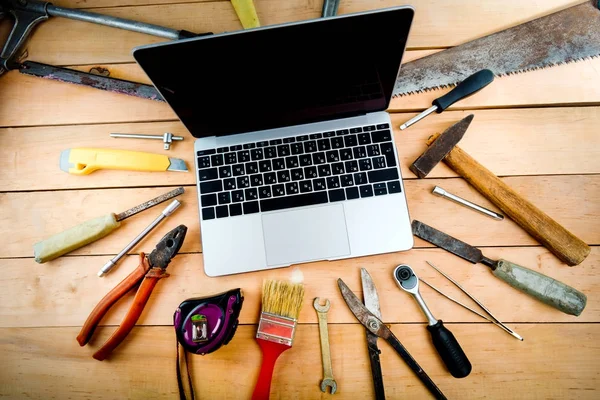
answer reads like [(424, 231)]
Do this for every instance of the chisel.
[(542, 287), (90, 231)]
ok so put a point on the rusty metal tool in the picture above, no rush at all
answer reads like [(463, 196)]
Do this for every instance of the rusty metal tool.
[(565, 36), (539, 286), (371, 300), (466, 88), (562, 243), (445, 343), (438, 191), (166, 137), (147, 274), (328, 380), (92, 230), (379, 329)]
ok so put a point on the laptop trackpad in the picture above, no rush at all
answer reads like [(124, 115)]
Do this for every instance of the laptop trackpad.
[(304, 235)]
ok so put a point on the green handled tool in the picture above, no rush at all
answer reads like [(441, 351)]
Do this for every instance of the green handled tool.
[(90, 231), (542, 287)]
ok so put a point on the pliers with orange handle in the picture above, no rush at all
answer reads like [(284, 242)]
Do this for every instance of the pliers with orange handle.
[(148, 272)]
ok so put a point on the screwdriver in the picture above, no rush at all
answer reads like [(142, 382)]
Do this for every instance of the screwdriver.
[(469, 86), (90, 231)]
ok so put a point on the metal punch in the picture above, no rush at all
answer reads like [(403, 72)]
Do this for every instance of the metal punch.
[(438, 191)]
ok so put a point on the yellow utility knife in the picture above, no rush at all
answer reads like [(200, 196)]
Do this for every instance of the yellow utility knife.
[(83, 161), (246, 13)]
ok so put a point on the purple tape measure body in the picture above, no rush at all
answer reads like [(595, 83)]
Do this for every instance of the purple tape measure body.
[(204, 324)]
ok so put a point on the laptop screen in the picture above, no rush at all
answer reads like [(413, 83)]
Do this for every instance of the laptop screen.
[(281, 75)]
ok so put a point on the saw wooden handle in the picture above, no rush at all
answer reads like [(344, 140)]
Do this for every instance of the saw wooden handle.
[(562, 243)]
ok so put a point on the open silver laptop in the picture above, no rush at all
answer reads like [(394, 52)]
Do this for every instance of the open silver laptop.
[(295, 156)]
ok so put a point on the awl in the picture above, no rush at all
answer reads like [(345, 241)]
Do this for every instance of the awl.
[(542, 287), (84, 161), (469, 86), (90, 231)]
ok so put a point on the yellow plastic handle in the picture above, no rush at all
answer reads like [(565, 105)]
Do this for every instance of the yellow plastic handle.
[(83, 161), (246, 13)]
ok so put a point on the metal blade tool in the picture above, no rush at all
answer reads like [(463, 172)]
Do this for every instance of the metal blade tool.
[(371, 300)]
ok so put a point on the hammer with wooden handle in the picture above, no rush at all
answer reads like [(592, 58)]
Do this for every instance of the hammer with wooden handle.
[(562, 243)]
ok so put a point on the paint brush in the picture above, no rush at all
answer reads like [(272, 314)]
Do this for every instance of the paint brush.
[(281, 303)]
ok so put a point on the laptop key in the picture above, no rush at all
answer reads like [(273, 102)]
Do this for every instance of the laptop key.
[(208, 200), (265, 165), (359, 152), (308, 199), (222, 211), (383, 175), (352, 193), (251, 194), (207, 174), (256, 180), (337, 168), (278, 163), (291, 162), (337, 195), (379, 162), (275, 142), (364, 138), (224, 198), (238, 169), (315, 136), (297, 148), (328, 134), (347, 180), (383, 126), (355, 130), (249, 146), (250, 207), (208, 213), (230, 158), (256, 154), (369, 128), (283, 176), (351, 166), (337, 142), (324, 170), (319, 184), (243, 182), (235, 147), (263, 143), (211, 187), (333, 182), (366, 191), (342, 132), (310, 146), (291, 188), (319, 158), (381, 136), (350, 140), (289, 140), (278, 190), (252, 168), (365, 164), (333, 156), (270, 152), (283, 150), (243, 156), (264, 192), (388, 151), (237, 196), (297, 174), (324, 144), (345, 154), (222, 149), (310, 172), (270, 178), (204, 162), (229, 183), (205, 152), (305, 160), (305, 186), (394, 187), (225, 172), (373, 150), (235, 209), (217, 160), (302, 138), (380, 189), (360, 178)]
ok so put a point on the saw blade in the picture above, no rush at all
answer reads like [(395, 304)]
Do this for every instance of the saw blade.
[(565, 36)]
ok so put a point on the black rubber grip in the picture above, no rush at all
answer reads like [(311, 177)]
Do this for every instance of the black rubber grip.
[(448, 348), (183, 34), (472, 84)]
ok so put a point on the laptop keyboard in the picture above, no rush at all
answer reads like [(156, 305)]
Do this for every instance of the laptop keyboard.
[(297, 171)]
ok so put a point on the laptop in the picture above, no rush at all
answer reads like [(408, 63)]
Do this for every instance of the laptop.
[(295, 156)]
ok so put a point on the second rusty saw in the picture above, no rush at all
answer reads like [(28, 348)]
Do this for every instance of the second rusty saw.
[(565, 36)]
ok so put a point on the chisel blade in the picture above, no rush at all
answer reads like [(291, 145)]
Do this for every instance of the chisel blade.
[(447, 242)]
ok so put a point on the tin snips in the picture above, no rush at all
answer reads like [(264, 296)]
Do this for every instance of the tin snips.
[(148, 272)]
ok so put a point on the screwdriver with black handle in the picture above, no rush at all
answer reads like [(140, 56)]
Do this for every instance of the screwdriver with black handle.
[(466, 88), (548, 290)]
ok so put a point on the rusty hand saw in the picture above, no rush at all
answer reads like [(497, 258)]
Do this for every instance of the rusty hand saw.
[(565, 36)]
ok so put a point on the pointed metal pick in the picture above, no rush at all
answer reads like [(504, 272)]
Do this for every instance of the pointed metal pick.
[(440, 147)]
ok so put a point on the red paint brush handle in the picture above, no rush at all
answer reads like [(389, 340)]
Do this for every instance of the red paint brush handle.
[(271, 352)]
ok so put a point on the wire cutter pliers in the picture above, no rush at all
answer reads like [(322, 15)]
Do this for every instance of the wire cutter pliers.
[(148, 272)]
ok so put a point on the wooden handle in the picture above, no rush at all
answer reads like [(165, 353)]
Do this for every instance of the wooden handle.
[(566, 246)]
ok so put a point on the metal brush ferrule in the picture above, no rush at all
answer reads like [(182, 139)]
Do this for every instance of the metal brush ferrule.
[(276, 328)]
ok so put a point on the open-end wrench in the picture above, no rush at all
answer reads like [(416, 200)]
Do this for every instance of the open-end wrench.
[(325, 352)]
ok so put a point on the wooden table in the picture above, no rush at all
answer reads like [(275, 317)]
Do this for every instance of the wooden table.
[(539, 131)]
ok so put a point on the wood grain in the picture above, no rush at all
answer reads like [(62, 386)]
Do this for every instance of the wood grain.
[(64, 292), (143, 366)]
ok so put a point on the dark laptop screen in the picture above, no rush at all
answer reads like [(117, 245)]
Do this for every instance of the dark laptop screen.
[(281, 75)]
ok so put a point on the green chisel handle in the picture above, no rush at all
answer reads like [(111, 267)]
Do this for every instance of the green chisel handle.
[(550, 291), (74, 238)]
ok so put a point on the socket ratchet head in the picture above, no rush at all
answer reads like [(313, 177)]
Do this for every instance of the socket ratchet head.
[(406, 279)]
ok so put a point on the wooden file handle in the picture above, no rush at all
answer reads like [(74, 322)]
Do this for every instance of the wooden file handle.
[(566, 246)]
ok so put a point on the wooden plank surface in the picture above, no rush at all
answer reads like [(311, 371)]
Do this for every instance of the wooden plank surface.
[(538, 131)]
